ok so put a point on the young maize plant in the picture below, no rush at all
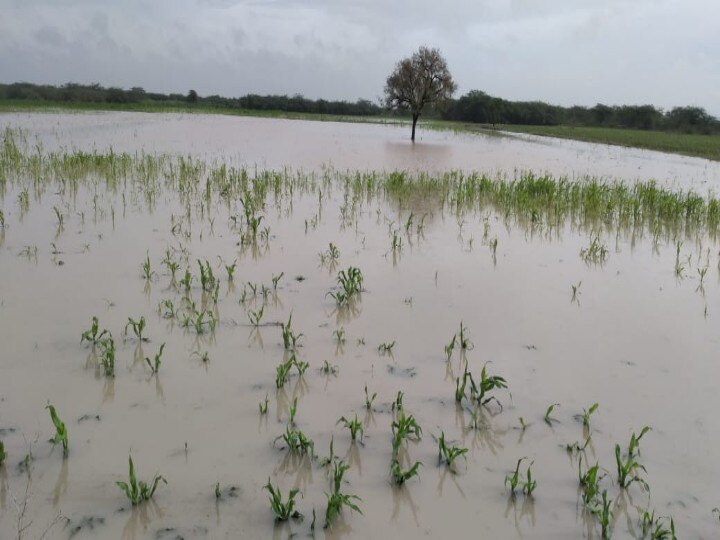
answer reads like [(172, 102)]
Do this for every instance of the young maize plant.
[(61, 434), (3, 454), (93, 335), (628, 468), (337, 500), (137, 492), (155, 363), (107, 356), (137, 326), (282, 510), (290, 338), (548, 414), (369, 399), (449, 453), (355, 426), (514, 480)]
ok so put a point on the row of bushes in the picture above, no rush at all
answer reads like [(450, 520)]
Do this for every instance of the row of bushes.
[(475, 106)]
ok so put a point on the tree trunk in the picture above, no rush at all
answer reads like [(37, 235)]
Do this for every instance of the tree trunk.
[(415, 119)]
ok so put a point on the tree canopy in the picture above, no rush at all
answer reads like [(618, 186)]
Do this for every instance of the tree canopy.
[(419, 80)]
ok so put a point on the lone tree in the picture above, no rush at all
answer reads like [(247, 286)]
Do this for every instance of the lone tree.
[(416, 81)]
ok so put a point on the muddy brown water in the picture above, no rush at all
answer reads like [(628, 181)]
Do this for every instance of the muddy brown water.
[(636, 339), (312, 145)]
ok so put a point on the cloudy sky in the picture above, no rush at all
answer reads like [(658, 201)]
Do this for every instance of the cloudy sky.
[(664, 52)]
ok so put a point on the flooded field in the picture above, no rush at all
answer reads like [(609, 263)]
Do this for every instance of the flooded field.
[(258, 319)]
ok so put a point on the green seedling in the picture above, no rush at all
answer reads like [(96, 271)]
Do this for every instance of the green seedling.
[(3, 454), (403, 428), (450, 347), (523, 425), (230, 269), (493, 247), (203, 356), (398, 403), (296, 441), (137, 326), (290, 338), (629, 467), (576, 447), (172, 266), (595, 253), (136, 491), (61, 434), (337, 500), (282, 510), (355, 426), (329, 369), (514, 479), (657, 528), (529, 485), (256, 316), (207, 277), (386, 348), (263, 406), (339, 335), (449, 453), (369, 399), (276, 280), (167, 309), (465, 343), (2, 220), (147, 271), (399, 475), (590, 484), (548, 414), (486, 384), (93, 335), (155, 363), (293, 411), (282, 371), (460, 387), (331, 456), (605, 516), (218, 493), (350, 283), (679, 267), (59, 216), (301, 366), (186, 281), (575, 291), (107, 356), (587, 413), (332, 253)]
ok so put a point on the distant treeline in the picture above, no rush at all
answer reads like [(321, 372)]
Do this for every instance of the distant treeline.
[(475, 106), (479, 107), (94, 93)]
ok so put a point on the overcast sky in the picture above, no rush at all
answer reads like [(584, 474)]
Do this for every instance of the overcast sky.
[(664, 52)]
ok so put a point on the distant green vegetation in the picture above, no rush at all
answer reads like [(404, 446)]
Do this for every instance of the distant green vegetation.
[(691, 144), (683, 130)]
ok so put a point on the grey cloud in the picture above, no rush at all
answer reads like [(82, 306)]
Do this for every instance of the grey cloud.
[(665, 52)]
